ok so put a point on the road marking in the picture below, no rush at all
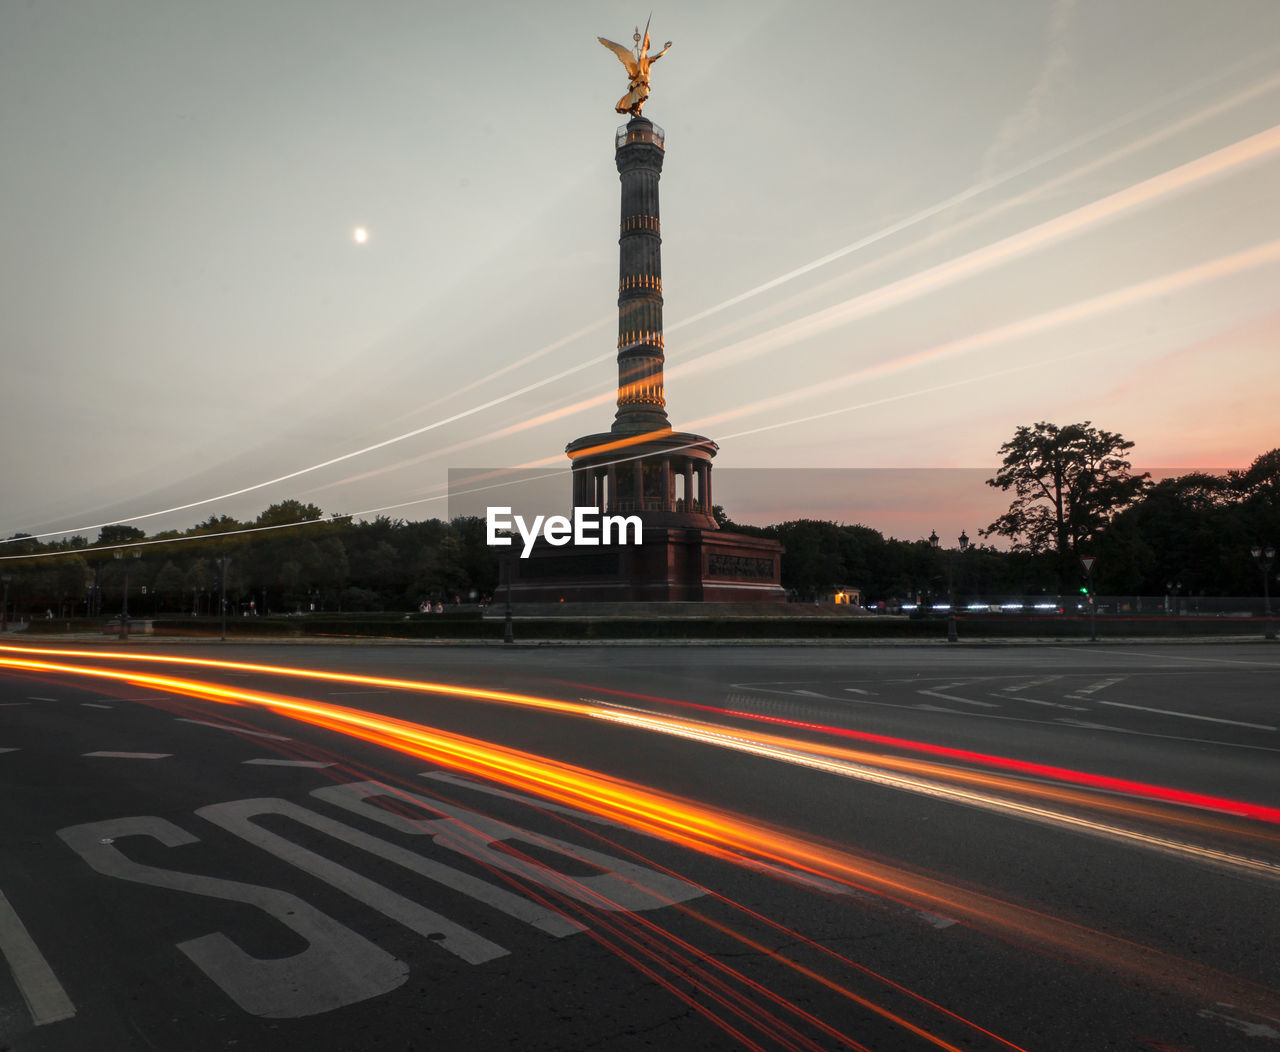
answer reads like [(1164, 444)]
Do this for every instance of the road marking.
[(953, 697), (858, 690), (1031, 683), (95, 705), (10, 704), (288, 763), (351, 693), (130, 755), (237, 730), (32, 697), (236, 817), (1102, 684), (1086, 725), (939, 708), (46, 999), (338, 967), (1037, 701), (1189, 716)]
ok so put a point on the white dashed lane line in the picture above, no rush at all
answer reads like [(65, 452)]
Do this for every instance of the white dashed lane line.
[(130, 755), (236, 730), (95, 705), (32, 697), (287, 763), (11, 704), (8, 750), (1190, 716)]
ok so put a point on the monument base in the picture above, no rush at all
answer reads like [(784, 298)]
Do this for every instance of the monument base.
[(671, 565)]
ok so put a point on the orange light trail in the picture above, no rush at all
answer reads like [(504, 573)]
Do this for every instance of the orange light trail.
[(717, 833), (1128, 787)]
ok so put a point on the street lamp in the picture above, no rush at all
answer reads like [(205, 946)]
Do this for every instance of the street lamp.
[(953, 634), (508, 633), (222, 593), (4, 609), (124, 557), (1264, 557)]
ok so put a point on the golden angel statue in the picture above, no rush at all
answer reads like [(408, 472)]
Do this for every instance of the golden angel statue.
[(637, 63)]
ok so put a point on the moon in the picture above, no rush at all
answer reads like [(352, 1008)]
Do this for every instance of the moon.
[(360, 235)]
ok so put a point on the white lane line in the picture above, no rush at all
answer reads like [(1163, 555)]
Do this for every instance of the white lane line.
[(32, 697), (130, 755), (11, 704), (1189, 716), (1102, 684), (8, 750), (288, 763), (953, 697), (1037, 701), (95, 705), (237, 730), (46, 999), (859, 690), (1031, 683), (1086, 725), (939, 708)]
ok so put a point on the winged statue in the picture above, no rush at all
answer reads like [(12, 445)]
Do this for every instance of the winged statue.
[(637, 61)]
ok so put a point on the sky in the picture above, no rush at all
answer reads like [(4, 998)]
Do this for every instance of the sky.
[(892, 234)]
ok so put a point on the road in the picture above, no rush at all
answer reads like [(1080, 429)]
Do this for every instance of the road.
[(414, 847)]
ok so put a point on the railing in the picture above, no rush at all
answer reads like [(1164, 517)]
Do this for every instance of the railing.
[(653, 134)]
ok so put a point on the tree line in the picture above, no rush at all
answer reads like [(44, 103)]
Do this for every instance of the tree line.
[(297, 561), (1074, 493)]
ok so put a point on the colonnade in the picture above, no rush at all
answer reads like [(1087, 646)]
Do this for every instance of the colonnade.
[(620, 487)]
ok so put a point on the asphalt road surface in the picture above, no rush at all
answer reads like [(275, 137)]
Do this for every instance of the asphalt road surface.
[(422, 847)]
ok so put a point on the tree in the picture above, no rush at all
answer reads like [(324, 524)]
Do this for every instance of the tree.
[(1068, 483)]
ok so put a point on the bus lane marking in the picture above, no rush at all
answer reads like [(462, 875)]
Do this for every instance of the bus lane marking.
[(338, 967), (236, 818)]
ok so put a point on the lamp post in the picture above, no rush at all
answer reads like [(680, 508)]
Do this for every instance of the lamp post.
[(953, 634), (124, 557), (1264, 557), (508, 633), (4, 609), (222, 590)]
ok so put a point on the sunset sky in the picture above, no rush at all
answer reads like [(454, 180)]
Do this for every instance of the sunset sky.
[(892, 233)]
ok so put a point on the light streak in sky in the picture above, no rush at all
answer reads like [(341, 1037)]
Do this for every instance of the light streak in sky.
[(713, 831), (1142, 194), (1152, 288)]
